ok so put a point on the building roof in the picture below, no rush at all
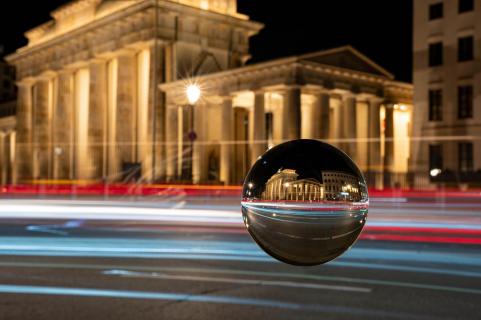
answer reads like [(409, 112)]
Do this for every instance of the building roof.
[(347, 57), (342, 68), (76, 14)]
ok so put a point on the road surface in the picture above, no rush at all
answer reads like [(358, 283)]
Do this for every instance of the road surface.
[(192, 259)]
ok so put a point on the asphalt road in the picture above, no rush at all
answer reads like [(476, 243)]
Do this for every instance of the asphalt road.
[(201, 264)]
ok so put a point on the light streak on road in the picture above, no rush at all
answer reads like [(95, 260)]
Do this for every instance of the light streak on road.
[(225, 219), (107, 210), (288, 284), (227, 251), (115, 212)]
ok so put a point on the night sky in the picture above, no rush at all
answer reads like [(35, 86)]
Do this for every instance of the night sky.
[(380, 29)]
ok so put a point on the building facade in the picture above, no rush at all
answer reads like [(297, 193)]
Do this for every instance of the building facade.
[(446, 147), (101, 97), (342, 186), (339, 96), (285, 185), (88, 103)]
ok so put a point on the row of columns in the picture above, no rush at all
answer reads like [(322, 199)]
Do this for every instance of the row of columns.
[(325, 124), (344, 123), (113, 137), (86, 121)]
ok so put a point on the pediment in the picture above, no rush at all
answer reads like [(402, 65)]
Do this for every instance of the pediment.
[(348, 58)]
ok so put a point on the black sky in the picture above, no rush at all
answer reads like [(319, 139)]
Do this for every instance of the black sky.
[(381, 29)]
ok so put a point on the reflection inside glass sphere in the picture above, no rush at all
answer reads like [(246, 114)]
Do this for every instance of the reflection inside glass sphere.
[(304, 202)]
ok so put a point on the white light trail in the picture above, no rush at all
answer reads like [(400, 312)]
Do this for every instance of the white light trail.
[(116, 212)]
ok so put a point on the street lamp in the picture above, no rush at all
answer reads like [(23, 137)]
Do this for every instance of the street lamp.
[(193, 93)]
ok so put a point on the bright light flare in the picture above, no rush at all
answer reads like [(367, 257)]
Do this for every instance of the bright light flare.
[(435, 172), (193, 93)]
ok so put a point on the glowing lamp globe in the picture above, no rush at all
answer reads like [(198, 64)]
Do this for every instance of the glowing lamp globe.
[(193, 93)]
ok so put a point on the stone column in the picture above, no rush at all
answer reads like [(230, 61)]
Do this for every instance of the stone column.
[(150, 111), (199, 168), (227, 136), (7, 149), (41, 129), (97, 133), (320, 115), (185, 150), (350, 126), (171, 125), (126, 109), (111, 124), (6, 157), (81, 123), (257, 128), (24, 152), (12, 140), (3, 159), (388, 145), (374, 146), (292, 113), (63, 128), (336, 131), (157, 111)]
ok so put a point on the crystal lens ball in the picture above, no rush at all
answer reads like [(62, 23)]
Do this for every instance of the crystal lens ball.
[(304, 202)]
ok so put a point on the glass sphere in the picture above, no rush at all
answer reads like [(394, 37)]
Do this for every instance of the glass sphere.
[(304, 202)]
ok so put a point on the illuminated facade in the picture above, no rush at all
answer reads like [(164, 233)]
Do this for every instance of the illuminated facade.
[(7, 144), (101, 97), (284, 185), (447, 81), (341, 186), (88, 103), (337, 186), (338, 95)]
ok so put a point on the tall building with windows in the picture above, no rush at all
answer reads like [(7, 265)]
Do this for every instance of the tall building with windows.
[(446, 148), (102, 97)]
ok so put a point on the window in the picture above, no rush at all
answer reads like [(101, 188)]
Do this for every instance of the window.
[(465, 48), (465, 156), (435, 157), (435, 105), (465, 5), (465, 102), (435, 54), (436, 11)]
